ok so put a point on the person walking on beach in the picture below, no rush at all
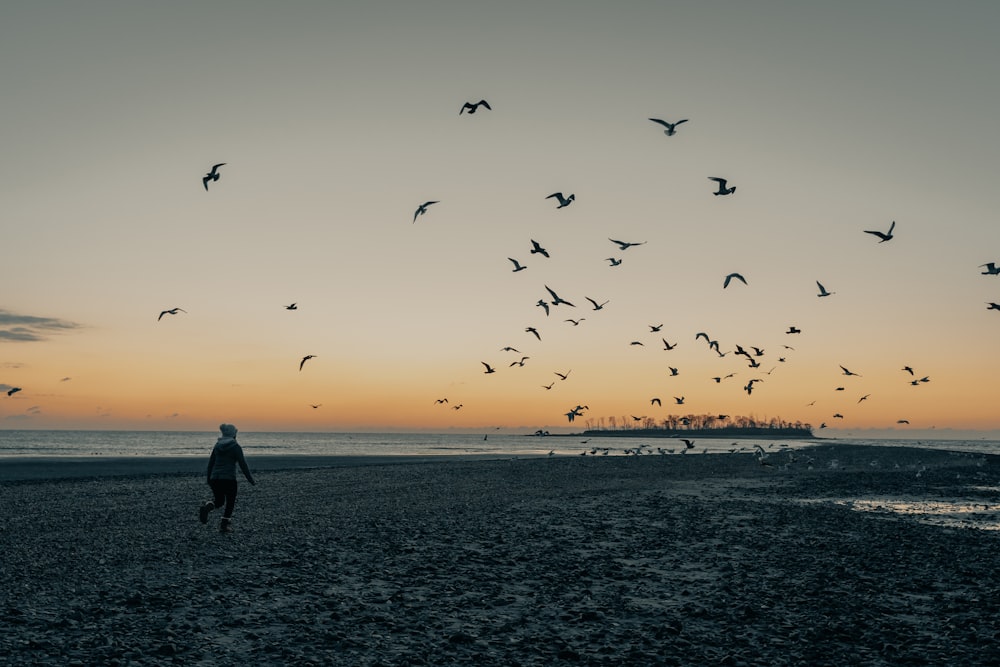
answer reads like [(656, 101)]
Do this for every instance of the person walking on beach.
[(226, 455)]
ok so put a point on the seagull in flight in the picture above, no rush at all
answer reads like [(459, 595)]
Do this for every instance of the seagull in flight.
[(671, 128), (625, 245), (563, 376), (575, 323), (679, 400), (536, 248), (472, 107), (556, 300), (423, 209), (440, 400), (907, 369), (509, 349), (305, 359), (489, 369), (656, 401), (517, 265), (886, 236), (793, 330), (534, 331), (544, 306), (991, 269), (723, 190), (847, 372), (172, 311), (667, 346), (992, 306), (292, 306), (614, 262), (519, 363), (13, 390), (822, 290), (597, 306), (654, 328), (563, 201), (732, 276), (212, 175)]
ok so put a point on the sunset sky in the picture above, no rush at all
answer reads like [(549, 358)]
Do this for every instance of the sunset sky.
[(337, 119)]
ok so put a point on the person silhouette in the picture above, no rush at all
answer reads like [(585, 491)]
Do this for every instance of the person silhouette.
[(226, 455)]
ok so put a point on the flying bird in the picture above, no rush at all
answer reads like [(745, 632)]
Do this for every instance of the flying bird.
[(172, 311), (671, 128), (509, 349), (13, 390), (614, 262), (305, 359), (864, 398), (654, 328), (575, 323), (314, 406), (992, 306), (732, 276), (679, 400), (907, 369), (556, 300), (544, 306), (533, 330), (472, 107), (723, 190), (517, 265), (625, 245), (536, 248), (667, 346), (656, 401), (519, 363), (991, 269), (673, 371), (847, 372), (887, 236), (793, 330), (489, 369), (563, 201), (423, 209), (563, 376), (211, 176), (822, 290), (291, 306), (597, 306), (440, 400)]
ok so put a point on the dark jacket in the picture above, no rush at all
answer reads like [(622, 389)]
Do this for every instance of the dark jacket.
[(226, 454)]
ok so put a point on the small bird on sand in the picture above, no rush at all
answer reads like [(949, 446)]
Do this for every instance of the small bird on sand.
[(212, 175), (563, 201), (822, 290), (517, 265), (472, 107), (884, 236), (536, 248), (731, 277), (172, 311), (423, 209), (723, 190), (305, 359), (671, 128)]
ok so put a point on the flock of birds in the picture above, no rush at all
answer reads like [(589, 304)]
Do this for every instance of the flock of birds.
[(551, 299)]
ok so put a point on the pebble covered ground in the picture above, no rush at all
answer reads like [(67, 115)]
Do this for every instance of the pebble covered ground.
[(645, 560)]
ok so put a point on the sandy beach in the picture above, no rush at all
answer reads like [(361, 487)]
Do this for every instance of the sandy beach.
[(578, 560)]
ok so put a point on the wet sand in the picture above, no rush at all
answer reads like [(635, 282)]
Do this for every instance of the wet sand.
[(579, 560)]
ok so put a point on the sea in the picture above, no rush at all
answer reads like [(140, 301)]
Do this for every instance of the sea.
[(67, 443)]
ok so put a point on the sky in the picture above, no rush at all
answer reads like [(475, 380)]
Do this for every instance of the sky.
[(336, 120)]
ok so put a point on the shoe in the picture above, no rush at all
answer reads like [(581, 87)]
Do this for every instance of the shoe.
[(203, 511), (226, 526)]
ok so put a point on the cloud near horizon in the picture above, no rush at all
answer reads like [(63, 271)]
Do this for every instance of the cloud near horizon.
[(29, 328)]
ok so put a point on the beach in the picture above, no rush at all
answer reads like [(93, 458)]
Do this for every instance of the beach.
[(820, 556)]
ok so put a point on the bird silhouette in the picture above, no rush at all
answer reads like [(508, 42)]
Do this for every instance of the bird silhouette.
[(520, 362), (907, 369), (13, 390), (544, 306), (563, 376), (472, 107), (992, 306), (625, 245), (847, 372), (887, 236), (671, 128), (614, 262), (510, 349), (305, 359), (723, 190), (563, 201), (793, 330), (423, 209), (679, 400), (822, 290), (656, 401), (517, 265), (575, 323), (556, 299), (597, 306), (291, 306), (440, 400), (673, 371), (489, 369), (212, 175), (733, 276), (172, 311), (534, 331), (536, 248), (991, 269), (667, 346)]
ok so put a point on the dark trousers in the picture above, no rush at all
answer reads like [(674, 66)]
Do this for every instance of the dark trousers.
[(224, 491)]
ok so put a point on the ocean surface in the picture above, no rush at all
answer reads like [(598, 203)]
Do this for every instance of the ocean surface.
[(40, 443)]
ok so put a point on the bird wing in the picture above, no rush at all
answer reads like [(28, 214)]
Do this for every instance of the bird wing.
[(660, 122), (683, 120), (621, 244), (555, 194), (720, 181), (486, 104)]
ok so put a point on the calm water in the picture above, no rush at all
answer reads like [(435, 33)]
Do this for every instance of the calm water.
[(189, 444)]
